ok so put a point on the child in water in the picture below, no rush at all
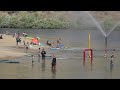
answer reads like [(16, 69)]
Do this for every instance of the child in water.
[(112, 56), (54, 63)]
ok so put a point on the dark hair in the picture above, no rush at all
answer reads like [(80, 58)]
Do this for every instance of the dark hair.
[(113, 49)]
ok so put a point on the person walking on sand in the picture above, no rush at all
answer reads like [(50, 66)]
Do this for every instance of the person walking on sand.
[(53, 63), (43, 54)]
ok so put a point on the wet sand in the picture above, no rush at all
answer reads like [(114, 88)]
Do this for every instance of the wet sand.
[(9, 49)]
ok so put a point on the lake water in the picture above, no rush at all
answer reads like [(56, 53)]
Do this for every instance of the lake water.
[(69, 61)]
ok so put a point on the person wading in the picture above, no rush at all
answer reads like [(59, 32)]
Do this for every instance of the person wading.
[(53, 63), (39, 54), (43, 53)]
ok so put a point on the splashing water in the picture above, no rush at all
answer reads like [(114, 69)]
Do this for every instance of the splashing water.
[(83, 18), (100, 28)]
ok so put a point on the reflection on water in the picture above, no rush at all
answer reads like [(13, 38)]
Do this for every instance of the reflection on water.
[(111, 67), (32, 65), (111, 70), (43, 65), (91, 66), (53, 73)]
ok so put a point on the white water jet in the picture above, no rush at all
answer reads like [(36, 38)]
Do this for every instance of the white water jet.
[(97, 24), (113, 29)]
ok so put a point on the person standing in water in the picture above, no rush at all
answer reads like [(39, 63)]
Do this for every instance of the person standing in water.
[(105, 55), (53, 63), (112, 56), (39, 55), (32, 59), (26, 47), (43, 53)]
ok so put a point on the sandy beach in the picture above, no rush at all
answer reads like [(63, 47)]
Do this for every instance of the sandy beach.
[(9, 49)]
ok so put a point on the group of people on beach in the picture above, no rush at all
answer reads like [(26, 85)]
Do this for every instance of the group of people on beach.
[(41, 54)]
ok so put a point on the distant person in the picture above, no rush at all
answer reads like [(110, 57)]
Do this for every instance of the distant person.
[(49, 44), (17, 40), (39, 50), (43, 54), (24, 42), (32, 59), (26, 47), (105, 55), (39, 54), (23, 34), (58, 43), (112, 56), (14, 35), (111, 61), (20, 40), (54, 62), (113, 51), (1, 37)]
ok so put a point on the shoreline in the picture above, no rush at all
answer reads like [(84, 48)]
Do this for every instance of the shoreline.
[(9, 49)]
